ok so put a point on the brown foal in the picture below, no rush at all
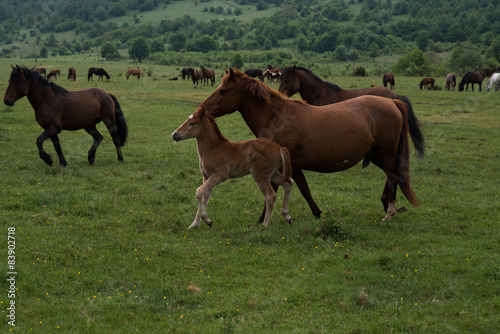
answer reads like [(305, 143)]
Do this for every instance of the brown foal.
[(221, 159)]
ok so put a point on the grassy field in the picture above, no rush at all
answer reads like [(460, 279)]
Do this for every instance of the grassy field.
[(104, 248)]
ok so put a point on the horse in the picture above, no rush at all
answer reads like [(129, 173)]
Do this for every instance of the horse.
[(57, 109), (54, 73), (209, 74), (72, 74), (99, 72), (41, 70), (196, 75), (185, 73), (134, 71), (317, 92), (472, 78), (328, 138), (451, 82), (221, 159), (255, 74), (494, 80), (271, 76), (426, 82), (388, 79)]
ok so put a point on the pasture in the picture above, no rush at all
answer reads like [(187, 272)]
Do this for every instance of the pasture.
[(104, 248)]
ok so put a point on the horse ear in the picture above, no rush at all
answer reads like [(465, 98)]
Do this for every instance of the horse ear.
[(284, 66), (202, 111), (231, 74), (227, 71), (293, 68)]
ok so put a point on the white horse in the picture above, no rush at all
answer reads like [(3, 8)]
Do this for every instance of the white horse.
[(494, 80)]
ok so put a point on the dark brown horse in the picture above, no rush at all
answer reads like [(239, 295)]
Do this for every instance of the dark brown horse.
[(451, 82), (185, 73), (54, 73), (209, 74), (196, 76), (100, 72), (57, 109), (317, 92), (255, 73), (388, 79), (426, 82), (133, 71), (72, 74), (327, 138), (472, 78)]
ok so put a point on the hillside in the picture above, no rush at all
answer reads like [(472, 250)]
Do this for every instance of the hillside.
[(340, 30)]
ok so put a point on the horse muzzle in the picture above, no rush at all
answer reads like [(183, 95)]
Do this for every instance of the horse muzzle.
[(177, 136), (9, 102)]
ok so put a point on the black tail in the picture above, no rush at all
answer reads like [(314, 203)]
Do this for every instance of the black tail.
[(415, 128), (121, 125)]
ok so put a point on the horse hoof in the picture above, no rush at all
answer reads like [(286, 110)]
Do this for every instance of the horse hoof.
[(210, 224), (290, 221)]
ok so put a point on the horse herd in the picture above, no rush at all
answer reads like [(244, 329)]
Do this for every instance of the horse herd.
[(471, 77), (99, 72)]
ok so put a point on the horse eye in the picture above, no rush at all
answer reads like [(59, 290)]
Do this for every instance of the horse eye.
[(192, 123), (222, 91)]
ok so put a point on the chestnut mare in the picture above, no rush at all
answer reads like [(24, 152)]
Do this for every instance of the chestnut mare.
[(221, 159), (54, 73), (209, 74), (57, 109), (317, 92), (327, 138), (133, 71)]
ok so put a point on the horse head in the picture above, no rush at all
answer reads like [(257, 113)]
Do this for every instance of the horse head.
[(18, 86), (290, 83)]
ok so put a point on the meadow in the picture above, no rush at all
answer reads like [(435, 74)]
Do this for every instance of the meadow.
[(104, 248)]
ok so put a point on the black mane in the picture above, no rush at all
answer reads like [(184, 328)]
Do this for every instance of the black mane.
[(34, 77), (286, 73)]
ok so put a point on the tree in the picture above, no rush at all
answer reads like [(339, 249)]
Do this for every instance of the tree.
[(177, 41), (139, 49), (464, 59), (109, 51), (423, 39), (238, 61), (157, 45), (302, 44), (374, 50), (413, 63)]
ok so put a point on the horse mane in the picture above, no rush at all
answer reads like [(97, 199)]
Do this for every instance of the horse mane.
[(214, 125), (257, 88), (35, 77), (286, 73)]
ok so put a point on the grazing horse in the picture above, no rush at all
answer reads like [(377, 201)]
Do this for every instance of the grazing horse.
[(133, 71), (317, 92), (57, 109), (72, 74), (451, 82), (54, 73), (327, 138), (196, 75), (426, 82), (271, 76), (388, 79), (100, 72), (221, 159), (209, 74), (185, 73), (472, 78), (494, 80), (255, 74), (41, 70)]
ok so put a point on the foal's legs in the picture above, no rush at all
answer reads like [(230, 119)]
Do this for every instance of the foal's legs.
[(202, 195), (91, 130), (269, 196)]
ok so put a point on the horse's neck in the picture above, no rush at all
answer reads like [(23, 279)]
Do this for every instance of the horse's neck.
[(316, 91), (39, 95), (265, 120), (208, 139)]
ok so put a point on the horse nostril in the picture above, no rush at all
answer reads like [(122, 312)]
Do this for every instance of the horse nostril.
[(8, 102), (176, 136)]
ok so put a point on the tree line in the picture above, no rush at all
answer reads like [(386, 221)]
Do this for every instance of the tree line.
[(341, 29)]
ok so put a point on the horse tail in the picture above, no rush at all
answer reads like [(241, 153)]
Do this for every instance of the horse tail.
[(286, 162), (403, 156), (121, 125), (415, 127)]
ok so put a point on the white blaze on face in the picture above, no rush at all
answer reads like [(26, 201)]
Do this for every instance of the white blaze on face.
[(191, 117)]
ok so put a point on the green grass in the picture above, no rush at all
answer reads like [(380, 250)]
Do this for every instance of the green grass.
[(104, 248)]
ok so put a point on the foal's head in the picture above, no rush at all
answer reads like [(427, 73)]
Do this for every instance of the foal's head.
[(196, 125)]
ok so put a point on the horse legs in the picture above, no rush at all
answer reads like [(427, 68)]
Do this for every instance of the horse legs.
[(269, 196), (300, 180), (114, 135), (287, 188), (91, 130), (57, 146), (49, 133), (202, 195)]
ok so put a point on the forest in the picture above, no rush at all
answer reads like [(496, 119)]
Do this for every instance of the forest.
[(340, 29)]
